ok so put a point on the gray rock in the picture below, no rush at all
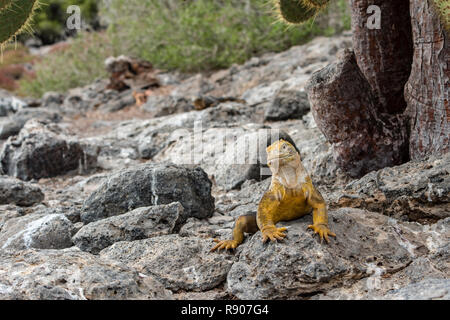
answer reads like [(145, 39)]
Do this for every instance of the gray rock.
[(262, 93), (419, 191), (71, 274), (290, 69), (300, 265), (124, 100), (244, 201), (10, 104), (141, 223), (10, 126), (193, 87), (149, 185), (38, 152), (51, 99), (288, 104), (8, 212), (160, 106), (151, 137), (81, 100), (70, 212), (18, 192), (249, 159), (379, 284), (430, 289), (151, 144), (207, 228), (36, 231), (179, 263)]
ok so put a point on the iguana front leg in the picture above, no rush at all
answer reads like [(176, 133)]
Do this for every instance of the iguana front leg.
[(320, 215), (266, 217), (243, 224)]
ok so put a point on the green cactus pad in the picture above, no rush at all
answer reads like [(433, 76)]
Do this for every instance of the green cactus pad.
[(443, 6), (15, 16), (295, 11), (316, 3)]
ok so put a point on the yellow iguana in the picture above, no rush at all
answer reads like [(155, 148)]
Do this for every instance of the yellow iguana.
[(291, 195)]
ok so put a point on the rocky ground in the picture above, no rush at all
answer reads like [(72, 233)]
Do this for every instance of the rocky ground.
[(116, 190)]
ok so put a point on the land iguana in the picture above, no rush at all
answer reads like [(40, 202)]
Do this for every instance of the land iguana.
[(291, 195)]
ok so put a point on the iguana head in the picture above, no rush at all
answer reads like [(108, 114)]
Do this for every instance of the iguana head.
[(282, 153)]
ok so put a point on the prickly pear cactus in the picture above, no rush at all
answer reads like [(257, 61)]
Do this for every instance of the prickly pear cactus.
[(443, 7), (316, 3), (15, 17), (294, 11)]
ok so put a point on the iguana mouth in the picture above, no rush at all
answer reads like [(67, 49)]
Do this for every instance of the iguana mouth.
[(280, 157)]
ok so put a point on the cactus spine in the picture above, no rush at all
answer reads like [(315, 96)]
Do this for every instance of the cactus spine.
[(319, 4), (15, 17), (294, 11)]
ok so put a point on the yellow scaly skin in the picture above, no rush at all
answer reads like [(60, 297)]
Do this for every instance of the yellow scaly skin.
[(291, 195)]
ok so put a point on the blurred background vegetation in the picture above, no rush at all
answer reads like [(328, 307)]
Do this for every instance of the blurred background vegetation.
[(49, 23), (188, 36)]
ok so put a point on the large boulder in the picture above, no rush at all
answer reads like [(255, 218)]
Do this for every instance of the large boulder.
[(418, 191), (149, 185), (301, 265), (71, 274), (138, 224), (39, 231), (179, 263), (288, 104), (19, 192), (40, 151)]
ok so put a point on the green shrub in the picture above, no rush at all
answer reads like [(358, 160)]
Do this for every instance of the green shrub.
[(71, 67), (190, 36), (202, 34)]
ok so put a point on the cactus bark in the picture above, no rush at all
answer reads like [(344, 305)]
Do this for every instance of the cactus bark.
[(388, 103), (428, 89), (384, 55), (362, 138)]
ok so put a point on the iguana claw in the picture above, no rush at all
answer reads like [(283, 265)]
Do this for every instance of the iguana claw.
[(225, 244), (323, 231), (273, 233)]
